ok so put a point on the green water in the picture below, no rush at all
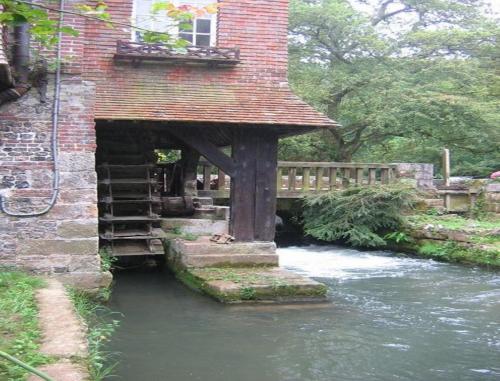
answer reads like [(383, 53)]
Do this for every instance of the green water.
[(388, 318)]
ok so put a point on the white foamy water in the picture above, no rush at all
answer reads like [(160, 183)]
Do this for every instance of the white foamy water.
[(341, 263)]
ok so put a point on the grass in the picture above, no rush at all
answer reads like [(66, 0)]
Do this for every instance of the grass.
[(483, 241), (456, 222), (101, 326), (452, 252), (19, 331)]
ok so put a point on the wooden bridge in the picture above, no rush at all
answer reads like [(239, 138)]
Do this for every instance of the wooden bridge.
[(295, 179)]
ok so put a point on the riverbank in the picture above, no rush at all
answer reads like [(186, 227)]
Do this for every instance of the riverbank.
[(52, 329), (19, 324), (452, 238)]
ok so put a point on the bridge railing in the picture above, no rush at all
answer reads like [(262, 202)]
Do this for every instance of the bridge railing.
[(296, 178)]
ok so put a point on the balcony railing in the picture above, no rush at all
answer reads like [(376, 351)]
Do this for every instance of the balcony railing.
[(139, 51)]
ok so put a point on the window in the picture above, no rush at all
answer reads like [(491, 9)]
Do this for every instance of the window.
[(201, 32)]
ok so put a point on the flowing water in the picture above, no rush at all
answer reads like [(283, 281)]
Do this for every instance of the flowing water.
[(388, 318)]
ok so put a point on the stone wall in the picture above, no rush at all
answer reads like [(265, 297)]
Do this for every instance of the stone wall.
[(492, 197), (421, 173), (65, 240)]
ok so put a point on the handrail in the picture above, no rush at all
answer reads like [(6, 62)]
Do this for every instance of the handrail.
[(293, 177), (26, 366)]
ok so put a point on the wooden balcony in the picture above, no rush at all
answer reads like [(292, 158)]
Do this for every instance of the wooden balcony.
[(137, 52)]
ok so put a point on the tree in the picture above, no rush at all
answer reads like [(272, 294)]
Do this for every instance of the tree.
[(45, 29), (418, 71)]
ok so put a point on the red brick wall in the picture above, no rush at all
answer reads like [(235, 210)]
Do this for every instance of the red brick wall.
[(257, 27)]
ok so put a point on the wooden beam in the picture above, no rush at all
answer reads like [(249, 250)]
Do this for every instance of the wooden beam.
[(195, 138)]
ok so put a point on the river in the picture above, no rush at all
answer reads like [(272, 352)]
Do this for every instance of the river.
[(388, 318)]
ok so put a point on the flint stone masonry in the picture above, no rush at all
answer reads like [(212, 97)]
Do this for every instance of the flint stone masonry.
[(63, 242)]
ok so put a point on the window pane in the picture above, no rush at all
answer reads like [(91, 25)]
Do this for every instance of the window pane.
[(186, 36), (203, 26), (202, 40)]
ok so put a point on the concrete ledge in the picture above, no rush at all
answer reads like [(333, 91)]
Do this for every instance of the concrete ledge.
[(204, 253), (253, 284), (91, 282), (239, 272), (196, 226)]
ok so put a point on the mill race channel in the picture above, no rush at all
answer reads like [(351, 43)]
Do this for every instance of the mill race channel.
[(388, 317)]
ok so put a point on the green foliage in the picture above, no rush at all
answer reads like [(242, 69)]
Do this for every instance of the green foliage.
[(455, 222), (20, 333), (247, 293), (107, 259), (453, 252), (479, 210), (398, 237), (402, 84), (358, 215), (101, 326), (45, 29)]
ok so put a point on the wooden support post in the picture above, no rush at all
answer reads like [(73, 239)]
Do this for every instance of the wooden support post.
[(359, 176), (189, 160), (266, 195), (279, 180), (221, 180), (319, 178), (333, 178), (306, 179), (292, 179), (372, 176), (207, 174), (253, 185)]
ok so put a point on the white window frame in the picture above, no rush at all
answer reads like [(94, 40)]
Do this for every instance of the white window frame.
[(174, 30)]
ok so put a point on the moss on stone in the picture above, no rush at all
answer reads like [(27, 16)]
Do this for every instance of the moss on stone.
[(246, 284)]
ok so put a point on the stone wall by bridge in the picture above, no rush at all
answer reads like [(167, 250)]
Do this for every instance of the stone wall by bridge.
[(421, 173)]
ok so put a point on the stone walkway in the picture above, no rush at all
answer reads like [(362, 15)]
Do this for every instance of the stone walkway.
[(63, 334)]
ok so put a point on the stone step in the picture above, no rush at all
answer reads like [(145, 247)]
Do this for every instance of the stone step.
[(203, 201), (203, 246), (223, 260), (205, 212), (196, 226), (222, 212)]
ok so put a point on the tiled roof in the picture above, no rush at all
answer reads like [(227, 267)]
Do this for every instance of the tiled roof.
[(198, 102)]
